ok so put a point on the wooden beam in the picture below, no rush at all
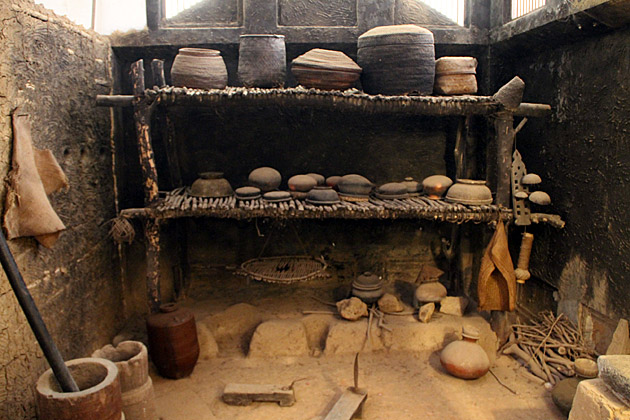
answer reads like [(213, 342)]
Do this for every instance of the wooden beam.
[(157, 69), (504, 131), (152, 253), (114, 100)]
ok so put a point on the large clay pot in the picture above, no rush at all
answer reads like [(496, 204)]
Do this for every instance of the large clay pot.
[(397, 60), (465, 359), (262, 61), (199, 68), (325, 69), (173, 343), (132, 360), (98, 398)]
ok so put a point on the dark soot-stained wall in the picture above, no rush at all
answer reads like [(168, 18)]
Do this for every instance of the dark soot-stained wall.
[(583, 155), (55, 69)]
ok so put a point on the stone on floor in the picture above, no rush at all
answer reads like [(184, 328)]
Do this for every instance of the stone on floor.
[(352, 309), (594, 401), (349, 337), (614, 370), (453, 305), (389, 303), (208, 347), (426, 312), (282, 337)]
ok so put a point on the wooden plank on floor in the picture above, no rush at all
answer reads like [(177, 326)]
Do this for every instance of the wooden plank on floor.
[(245, 394), (349, 404)]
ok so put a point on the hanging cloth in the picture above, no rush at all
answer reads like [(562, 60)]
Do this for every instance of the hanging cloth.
[(497, 281), (35, 174)]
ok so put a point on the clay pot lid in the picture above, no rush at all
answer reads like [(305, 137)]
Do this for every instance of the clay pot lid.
[(395, 30), (521, 195), (247, 192), (277, 196), (367, 281), (392, 190), (531, 179), (456, 65), (200, 52), (327, 59), (540, 197), (470, 332), (586, 368)]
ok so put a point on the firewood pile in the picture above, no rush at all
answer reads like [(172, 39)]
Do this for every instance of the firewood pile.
[(548, 347)]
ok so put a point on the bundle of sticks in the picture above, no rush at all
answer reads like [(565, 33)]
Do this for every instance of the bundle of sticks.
[(548, 346)]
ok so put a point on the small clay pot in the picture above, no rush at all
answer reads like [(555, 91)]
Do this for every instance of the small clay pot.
[(332, 181), (469, 191), (413, 187), (265, 178), (262, 60), (247, 193), (317, 177), (391, 191), (465, 359), (277, 196), (355, 185), (456, 76), (199, 68), (368, 287), (322, 196), (301, 183), (436, 185), (325, 69), (211, 184)]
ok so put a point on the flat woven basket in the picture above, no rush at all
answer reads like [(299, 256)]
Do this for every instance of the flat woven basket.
[(284, 269)]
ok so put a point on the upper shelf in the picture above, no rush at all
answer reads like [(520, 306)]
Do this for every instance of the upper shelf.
[(347, 100)]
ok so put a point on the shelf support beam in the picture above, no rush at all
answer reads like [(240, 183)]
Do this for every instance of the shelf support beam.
[(504, 131)]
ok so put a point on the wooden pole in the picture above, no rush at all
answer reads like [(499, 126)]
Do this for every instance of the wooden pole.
[(157, 68), (152, 236), (154, 14), (504, 131)]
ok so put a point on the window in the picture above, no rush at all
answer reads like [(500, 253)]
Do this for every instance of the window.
[(522, 7), (174, 7), (452, 9)]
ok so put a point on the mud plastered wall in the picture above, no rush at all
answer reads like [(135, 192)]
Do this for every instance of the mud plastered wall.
[(582, 153), (54, 70)]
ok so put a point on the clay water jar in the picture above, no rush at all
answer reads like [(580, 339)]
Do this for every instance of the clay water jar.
[(465, 358), (99, 396), (199, 68), (262, 60), (173, 343)]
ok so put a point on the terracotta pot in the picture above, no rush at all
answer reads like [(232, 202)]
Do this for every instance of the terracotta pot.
[(265, 178), (99, 396), (173, 343), (469, 191), (465, 359), (325, 69), (436, 185), (199, 68), (211, 184), (397, 60), (262, 61)]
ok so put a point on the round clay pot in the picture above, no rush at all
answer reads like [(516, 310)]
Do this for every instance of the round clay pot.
[(247, 193), (413, 187), (262, 61), (354, 184), (99, 394), (317, 177), (301, 183), (332, 181), (325, 69), (173, 343), (465, 359), (392, 190), (277, 196), (211, 184), (368, 287), (265, 178), (436, 185), (199, 68), (469, 191), (322, 196)]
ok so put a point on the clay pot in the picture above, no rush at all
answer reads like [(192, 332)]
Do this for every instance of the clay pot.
[(332, 181), (469, 191), (262, 61), (354, 184), (199, 68), (436, 185), (456, 76), (413, 187), (325, 69), (322, 196), (391, 191), (540, 197), (211, 184), (397, 60), (276, 196), (173, 343), (368, 287), (531, 179), (301, 183), (265, 178), (98, 398), (132, 361), (465, 359)]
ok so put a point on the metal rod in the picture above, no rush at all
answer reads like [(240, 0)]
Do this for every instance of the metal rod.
[(51, 352)]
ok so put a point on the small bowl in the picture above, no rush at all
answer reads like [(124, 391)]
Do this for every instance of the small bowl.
[(322, 196), (211, 185), (247, 193), (469, 191)]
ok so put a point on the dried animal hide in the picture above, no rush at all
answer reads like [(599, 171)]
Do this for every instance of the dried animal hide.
[(497, 281), (35, 174)]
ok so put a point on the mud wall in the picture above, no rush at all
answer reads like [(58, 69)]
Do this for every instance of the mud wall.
[(582, 153), (54, 69)]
